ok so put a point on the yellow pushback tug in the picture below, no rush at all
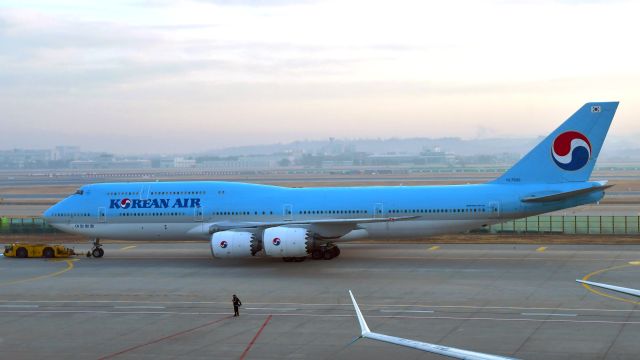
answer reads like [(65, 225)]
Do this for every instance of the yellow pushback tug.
[(37, 250)]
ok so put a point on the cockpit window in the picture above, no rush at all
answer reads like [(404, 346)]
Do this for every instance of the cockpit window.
[(79, 192)]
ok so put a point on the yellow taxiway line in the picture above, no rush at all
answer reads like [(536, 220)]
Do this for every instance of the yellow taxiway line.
[(433, 248), (40, 277), (598, 292), (128, 247), (541, 249)]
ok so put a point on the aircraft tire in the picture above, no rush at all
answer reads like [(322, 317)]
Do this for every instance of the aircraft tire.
[(317, 254), (336, 251), (328, 255), (97, 253)]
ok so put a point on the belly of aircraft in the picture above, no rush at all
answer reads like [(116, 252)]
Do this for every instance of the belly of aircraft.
[(138, 231), (199, 231), (416, 228)]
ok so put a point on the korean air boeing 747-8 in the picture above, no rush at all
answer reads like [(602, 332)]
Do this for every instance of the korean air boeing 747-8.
[(243, 220)]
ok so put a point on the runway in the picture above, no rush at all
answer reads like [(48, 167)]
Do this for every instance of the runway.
[(173, 301)]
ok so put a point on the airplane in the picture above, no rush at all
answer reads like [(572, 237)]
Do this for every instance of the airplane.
[(620, 289), (244, 220), (419, 345)]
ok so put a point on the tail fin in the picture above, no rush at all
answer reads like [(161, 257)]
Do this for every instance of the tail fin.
[(570, 152)]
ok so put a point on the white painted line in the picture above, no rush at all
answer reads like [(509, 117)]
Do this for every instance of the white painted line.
[(350, 306), (19, 306), (139, 307), (314, 315), (547, 314), (406, 311), (487, 258), (277, 309)]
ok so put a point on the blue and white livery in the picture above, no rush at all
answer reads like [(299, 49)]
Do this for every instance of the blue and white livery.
[(242, 220)]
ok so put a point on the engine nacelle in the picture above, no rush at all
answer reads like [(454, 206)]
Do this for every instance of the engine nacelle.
[(287, 242), (234, 244)]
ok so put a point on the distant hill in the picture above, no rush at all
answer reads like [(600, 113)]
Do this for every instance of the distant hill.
[(615, 148), (387, 146)]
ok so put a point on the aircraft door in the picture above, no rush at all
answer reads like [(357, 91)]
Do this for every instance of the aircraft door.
[(102, 215), (144, 192), (198, 214), (287, 212), (494, 209), (378, 210)]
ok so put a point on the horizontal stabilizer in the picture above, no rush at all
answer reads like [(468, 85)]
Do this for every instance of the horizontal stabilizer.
[(557, 196)]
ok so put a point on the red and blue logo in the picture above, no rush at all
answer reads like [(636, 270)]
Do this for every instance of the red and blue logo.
[(125, 203), (276, 241), (571, 150), (223, 244)]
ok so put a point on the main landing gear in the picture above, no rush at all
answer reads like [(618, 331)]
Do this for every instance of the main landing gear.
[(326, 252), (96, 250)]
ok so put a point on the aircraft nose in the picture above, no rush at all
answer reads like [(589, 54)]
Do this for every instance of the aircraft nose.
[(47, 215)]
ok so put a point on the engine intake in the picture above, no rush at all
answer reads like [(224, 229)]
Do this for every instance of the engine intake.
[(234, 244), (287, 242)]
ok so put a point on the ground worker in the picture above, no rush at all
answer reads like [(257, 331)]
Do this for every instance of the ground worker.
[(236, 304)]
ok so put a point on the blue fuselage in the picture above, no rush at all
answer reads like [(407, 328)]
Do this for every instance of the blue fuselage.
[(191, 209)]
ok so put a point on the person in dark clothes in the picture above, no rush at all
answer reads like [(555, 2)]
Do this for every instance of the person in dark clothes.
[(236, 304)]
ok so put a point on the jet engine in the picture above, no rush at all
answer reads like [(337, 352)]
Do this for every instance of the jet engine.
[(287, 242), (234, 244)]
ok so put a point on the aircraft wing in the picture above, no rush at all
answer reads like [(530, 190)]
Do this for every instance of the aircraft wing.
[(419, 345), (619, 289), (331, 225)]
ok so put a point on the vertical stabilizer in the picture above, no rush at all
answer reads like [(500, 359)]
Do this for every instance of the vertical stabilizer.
[(570, 152)]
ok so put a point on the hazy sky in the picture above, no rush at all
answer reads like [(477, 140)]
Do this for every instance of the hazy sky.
[(176, 76)]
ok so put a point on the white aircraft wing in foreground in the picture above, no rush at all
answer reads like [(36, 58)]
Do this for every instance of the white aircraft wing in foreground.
[(619, 289), (432, 348)]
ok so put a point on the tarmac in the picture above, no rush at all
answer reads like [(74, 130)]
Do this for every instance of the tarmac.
[(172, 300)]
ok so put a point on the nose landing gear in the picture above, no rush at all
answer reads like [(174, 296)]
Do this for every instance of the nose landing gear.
[(96, 250)]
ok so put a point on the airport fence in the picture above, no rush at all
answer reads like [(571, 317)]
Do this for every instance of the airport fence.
[(25, 225), (596, 225)]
